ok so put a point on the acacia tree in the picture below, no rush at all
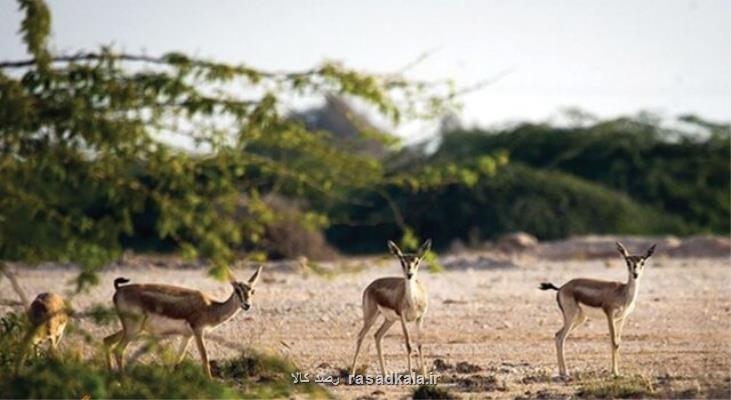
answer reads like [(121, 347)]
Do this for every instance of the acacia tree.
[(90, 139)]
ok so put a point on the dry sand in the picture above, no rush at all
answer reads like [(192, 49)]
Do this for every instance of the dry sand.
[(677, 337)]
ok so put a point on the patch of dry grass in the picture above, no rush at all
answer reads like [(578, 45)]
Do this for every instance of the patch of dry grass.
[(636, 386)]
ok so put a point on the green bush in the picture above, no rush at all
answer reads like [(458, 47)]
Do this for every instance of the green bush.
[(685, 170), (547, 204), (624, 176), (51, 377)]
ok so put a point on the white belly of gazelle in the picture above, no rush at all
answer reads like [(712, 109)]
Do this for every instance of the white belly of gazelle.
[(159, 325)]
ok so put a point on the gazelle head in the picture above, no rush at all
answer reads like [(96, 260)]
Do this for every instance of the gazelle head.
[(635, 264), (245, 291), (410, 262)]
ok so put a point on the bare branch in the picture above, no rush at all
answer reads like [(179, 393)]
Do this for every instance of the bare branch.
[(10, 303), (479, 85), (16, 286), (422, 57)]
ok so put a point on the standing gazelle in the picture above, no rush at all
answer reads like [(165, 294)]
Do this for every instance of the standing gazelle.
[(165, 310), (397, 299), (616, 299)]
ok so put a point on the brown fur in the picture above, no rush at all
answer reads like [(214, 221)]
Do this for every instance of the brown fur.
[(48, 317), (585, 290), (174, 302)]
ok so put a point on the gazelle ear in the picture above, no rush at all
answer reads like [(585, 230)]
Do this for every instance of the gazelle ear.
[(650, 251), (425, 247), (394, 249), (622, 250), (255, 277)]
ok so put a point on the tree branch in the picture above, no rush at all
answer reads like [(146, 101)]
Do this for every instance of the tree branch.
[(167, 59), (16, 286)]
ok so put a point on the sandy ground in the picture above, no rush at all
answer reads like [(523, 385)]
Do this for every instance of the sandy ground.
[(496, 319)]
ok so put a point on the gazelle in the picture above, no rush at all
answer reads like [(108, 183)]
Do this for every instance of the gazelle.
[(397, 299), (616, 299), (47, 314), (164, 310), (48, 317)]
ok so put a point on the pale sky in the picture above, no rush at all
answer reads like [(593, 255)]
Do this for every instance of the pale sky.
[(606, 57)]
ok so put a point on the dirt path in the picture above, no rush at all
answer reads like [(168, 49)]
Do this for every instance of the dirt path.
[(677, 338)]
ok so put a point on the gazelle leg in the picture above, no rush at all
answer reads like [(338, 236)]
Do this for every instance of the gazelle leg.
[(202, 351), (119, 352), (408, 342), (109, 343), (184, 343), (369, 317), (132, 325), (422, 366), (618, 325), (380, 333), (57, 338), (120, 348), (615, 344), (131, 328), (571, 313)]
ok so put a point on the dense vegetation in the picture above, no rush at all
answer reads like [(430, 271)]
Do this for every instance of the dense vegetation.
[(629, 175), (548, 204), (683, 171)]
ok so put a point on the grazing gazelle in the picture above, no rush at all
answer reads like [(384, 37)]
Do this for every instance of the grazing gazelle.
[(397, 299), (164, 310), (48, 316), (616, 299)]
